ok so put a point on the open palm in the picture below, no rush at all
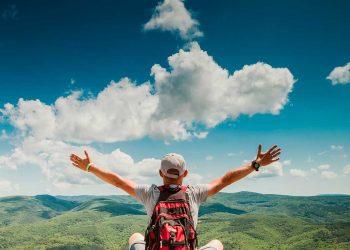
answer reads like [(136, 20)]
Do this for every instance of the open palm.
[(268, 157), (80, 162)]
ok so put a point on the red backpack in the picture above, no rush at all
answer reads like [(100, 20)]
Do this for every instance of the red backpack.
[(171, 226)]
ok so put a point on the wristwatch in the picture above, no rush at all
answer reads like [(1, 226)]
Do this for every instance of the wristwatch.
[(255, 165)]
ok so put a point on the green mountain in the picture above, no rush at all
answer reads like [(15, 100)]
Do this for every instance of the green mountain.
[(241, 220), (313, 208), (17, 210), (114, 207)]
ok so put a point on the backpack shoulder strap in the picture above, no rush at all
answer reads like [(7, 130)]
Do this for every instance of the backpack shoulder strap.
[(161, 188)]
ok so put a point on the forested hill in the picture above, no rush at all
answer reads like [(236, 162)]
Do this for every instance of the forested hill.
[(241, 220)]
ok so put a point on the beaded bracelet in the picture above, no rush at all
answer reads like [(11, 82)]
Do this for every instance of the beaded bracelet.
[(88, 166)]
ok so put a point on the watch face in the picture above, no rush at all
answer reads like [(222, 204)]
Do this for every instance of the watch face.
[(256, 165)]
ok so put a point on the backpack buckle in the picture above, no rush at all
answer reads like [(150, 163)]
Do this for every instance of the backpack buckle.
[(172, 236)]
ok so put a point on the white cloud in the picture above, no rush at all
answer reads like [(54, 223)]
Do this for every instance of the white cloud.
[(313, 170), (340, 74), (3, 135), (337, 147), (195, 91), (273, 170), (122, 111), (52, 157), (287, 162), (172, 15), (298, 173), (233, 154), (209, 157), (346, 170), (329, 174), (17, 157), (7, 187), (201, 135), (31, 116), (324, 167)]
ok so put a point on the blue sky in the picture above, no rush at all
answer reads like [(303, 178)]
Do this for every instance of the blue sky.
[(50, 50)]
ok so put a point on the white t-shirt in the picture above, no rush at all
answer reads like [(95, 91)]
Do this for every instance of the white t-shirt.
[(149, 194)]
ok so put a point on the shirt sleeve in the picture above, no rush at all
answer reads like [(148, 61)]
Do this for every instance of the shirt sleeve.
[(148, 195), (199, 193), (142, 193)]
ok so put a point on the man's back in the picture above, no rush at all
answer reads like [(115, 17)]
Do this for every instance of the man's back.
[(149, 194)]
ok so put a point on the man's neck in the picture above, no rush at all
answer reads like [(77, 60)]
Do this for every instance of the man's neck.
[(179, 183)]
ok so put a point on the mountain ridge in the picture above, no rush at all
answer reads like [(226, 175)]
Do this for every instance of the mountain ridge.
[(243, 220)]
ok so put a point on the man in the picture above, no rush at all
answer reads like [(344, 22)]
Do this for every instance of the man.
[(173, 171)]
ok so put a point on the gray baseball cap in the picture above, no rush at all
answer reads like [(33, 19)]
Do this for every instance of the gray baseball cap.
[(173, 161)]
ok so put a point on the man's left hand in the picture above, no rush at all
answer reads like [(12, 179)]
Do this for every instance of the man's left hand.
[(268, 157)]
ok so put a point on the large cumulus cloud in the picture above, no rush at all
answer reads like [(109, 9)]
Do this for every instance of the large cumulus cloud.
[(197, 89), (184, 99), (193, 90)]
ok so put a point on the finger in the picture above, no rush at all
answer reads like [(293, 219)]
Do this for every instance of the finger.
[(275, 151), (75, 164), (275, 154), (76, 160), (273, 160), (259, 149), (87, 155), (271, 149), (75, 157)]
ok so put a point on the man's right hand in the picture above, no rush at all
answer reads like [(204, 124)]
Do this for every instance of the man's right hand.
[(79, 162)]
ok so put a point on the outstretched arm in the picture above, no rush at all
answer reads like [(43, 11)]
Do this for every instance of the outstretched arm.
[(105, 175), (234, 175)]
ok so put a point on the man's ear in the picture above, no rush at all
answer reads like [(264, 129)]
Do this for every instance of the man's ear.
[(185, 173), (161, 173)]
